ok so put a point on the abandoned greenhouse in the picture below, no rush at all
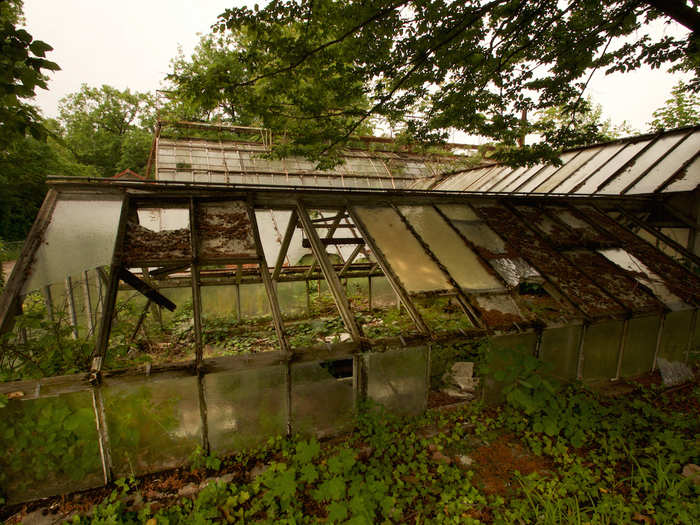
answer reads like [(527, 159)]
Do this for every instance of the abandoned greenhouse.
[(292, 295)]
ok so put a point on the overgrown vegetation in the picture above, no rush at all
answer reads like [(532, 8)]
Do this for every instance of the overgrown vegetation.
[(602, 461)]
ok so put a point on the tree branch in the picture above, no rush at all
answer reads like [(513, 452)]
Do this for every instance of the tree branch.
[(679, 11)]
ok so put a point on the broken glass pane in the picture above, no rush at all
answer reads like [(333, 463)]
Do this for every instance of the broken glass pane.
[(321, 403), (225, 230)]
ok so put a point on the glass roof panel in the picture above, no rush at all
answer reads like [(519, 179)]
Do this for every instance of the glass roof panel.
[(657, 150), (414, 267), (668, 166), (462, 263), (80, 236)]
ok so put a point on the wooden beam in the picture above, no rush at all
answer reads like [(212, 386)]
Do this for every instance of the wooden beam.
[(269, 287), (146, 289), (10, 298), (336, 288), (342, 241), (196, 291), (284, 247), (352, 257)]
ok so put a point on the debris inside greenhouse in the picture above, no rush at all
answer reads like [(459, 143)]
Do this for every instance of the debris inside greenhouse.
[(216, 307)]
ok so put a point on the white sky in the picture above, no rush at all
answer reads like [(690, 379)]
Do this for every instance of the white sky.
[(130, 43)]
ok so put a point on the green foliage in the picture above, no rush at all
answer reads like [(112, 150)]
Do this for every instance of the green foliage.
[(201, 460), (23, 68), (108, 129), (319, 71), (47, 440), (48, 348), (581, 124), (682, 109)]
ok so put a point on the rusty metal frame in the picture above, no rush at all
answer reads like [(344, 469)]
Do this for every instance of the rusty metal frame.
[(102, 340), (284, 246), (336, 288)]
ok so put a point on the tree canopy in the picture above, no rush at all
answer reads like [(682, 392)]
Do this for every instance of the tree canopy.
[(107, 128), (682, 109), (23, 65), (321, 69)]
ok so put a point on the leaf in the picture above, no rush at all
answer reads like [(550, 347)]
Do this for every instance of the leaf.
[(332, 489), (337, 511), (40, 48), (308, 473), (306, 451)]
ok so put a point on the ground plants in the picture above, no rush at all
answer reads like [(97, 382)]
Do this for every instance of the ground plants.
[(439, 467)]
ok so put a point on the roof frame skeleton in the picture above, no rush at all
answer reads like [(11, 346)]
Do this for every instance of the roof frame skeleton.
[(266, 198)]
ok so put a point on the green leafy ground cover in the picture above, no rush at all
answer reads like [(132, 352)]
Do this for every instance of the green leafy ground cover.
[(550, 454)]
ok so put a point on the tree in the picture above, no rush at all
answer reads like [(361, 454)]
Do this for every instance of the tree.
[(23, 169), (215, 83), (586, 126), (682, 109), (22, 70), (473, 66), (107, 128)]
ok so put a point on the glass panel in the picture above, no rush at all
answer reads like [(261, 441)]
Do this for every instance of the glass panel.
[(398, 379), (412, 265), (458, 212), (588, 169), (506, 179), (163, 239), (646, 159), (79, 237), (645, 276), (668, 166), (687, 179), (153, 424), (566, 170), (488, 180), (462, 264), (544, 174), (499, 311), (245, 407), (225, 230), (486, 240), (615, 163), (515, 271), (674, 340), (560, 350), (600, 350), (321, 403), (49, 446), (638, 357)]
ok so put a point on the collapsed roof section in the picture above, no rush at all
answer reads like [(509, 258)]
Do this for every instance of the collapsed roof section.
[(511, 263), (665, 162)]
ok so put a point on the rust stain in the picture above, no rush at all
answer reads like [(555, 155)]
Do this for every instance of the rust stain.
[(581, 290), (142, 243)]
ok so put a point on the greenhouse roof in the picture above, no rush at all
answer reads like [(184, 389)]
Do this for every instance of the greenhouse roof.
[(663, 162), (478, 249), (203, 160)]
